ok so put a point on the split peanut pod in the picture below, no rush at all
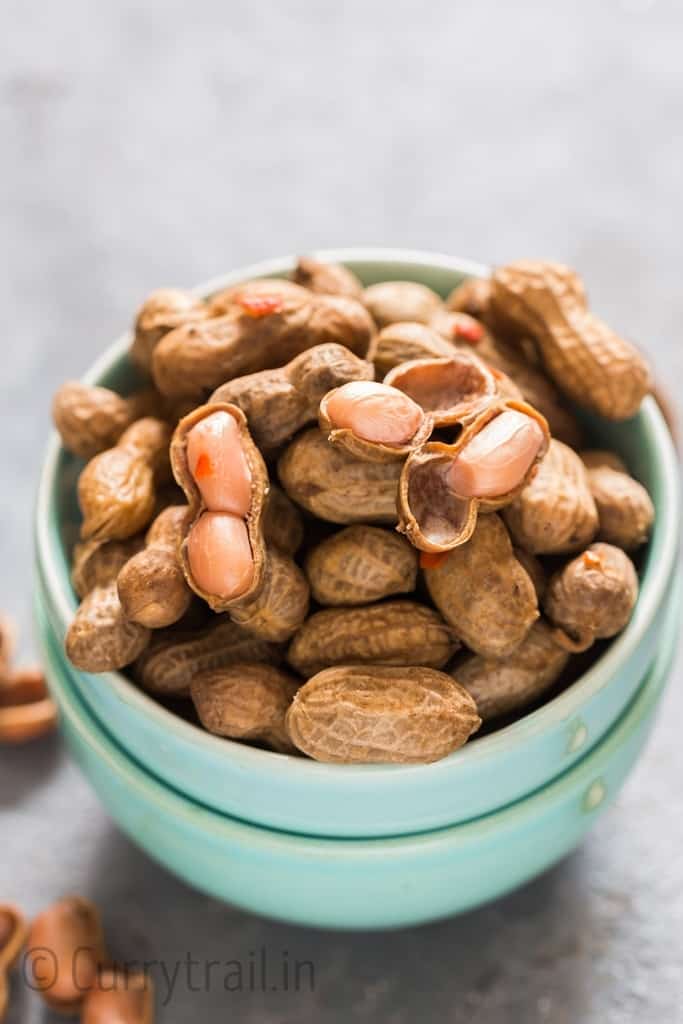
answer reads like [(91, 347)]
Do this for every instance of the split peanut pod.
[(444, 486), (327, 278), (453, 391), (13, 932), (393, 302), (246, 701), (151, 585), (65, 948), (119, 997), (625, 509), (336, 486), (278, 403), (26, 710), (374, 422), (161, 312), (262, 328), (224, 554), (369, 714), (117, 489), (483, 592), (592, 597), (586, 359)]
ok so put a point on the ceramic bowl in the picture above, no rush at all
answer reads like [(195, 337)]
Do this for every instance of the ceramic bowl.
[(306, 797), (356, 883)]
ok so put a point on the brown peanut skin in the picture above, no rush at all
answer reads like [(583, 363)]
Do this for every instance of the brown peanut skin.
[(278, 403), (359, 565), (327, 278), (398, 301), (282, 522), (117, 488), (625, 509), (247, 702), (500, 686), (71, 930), (367, 714), (196, 359), (556, 512), (119, 998), (97, 562), (483, 593), (100, 637), (588, 361), (593, 596), (151, 585), (170, 664), (161, 312), (334, 485), (391, 633), (91, 419), (26, 709), (402, 342)]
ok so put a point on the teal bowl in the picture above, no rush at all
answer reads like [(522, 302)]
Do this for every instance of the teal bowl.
[(356, 883), (302, 796)]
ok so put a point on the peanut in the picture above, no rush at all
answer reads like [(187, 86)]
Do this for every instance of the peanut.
[(336, 486), (588, 362), (257, 297), (258, 332), (160, 313), (282, 523), (224, 555), (625, 509), (91, 419), (592, 597), (13, 932), (370, 714), (100, 637), (402, 342), (174, 658), (72, 932), (245, 701), (453, 390), (392, 633), (117, 488), (472, 296), (397, 301), (500, 686), (278, 403), (555, 513), (359, 565), (373, 421), (151, 585), (327, 278), (26, 709), (119, 997), (98, 562), (483, 593)]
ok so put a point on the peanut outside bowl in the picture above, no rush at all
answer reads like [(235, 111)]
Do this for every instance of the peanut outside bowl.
[(305, 797)]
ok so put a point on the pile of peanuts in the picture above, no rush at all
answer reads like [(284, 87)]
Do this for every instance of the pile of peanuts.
[(355, 523), (68, 964)]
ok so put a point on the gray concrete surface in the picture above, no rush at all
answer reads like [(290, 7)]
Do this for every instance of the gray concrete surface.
[(147, 143)]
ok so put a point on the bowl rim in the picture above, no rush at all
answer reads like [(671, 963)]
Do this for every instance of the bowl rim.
[(552, 714)]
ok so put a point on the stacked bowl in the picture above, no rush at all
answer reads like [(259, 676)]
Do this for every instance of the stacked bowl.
[(358, 846)]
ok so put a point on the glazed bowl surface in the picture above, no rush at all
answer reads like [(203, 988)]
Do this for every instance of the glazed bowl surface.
[(302, 796)]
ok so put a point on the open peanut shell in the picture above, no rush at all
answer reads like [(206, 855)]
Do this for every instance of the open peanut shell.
[(431, 514), (254, 518), (371, 451), (453, 391)]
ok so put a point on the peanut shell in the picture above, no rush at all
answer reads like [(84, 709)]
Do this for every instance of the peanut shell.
[(402, 342), (91, 419), (161, 312), (625, 509), (98, 562), (100, 638), (398, 301), (327, 278), (454, 391), (359, 565), (151, 585)]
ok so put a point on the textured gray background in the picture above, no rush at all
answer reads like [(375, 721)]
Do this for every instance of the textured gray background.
[(149, 143)]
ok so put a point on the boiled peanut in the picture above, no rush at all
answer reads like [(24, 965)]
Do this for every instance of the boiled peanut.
[(593, 596), (70, 934), (26, 710), (391, 633), (160, 313), (373, 421), (98, 562), (245, 701), (117, 488), (359, 565), (500, 686), (364, 714), (327, 278), (336, 486), (472, 296), (397, 301), (91, 419), (100, 637), (625, 509), (151, 585), (555, 513), (586, 359), (482, 591), (282, 523)]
